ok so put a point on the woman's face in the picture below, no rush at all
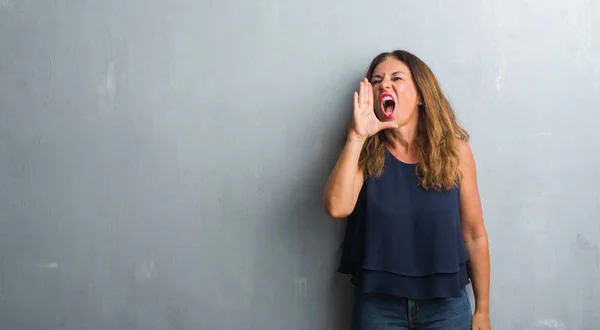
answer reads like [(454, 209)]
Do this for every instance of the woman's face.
[(395, 95)]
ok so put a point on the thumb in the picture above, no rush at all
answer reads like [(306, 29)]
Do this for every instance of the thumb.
[(388, 125)]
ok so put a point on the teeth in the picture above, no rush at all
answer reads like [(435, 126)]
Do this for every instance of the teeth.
[(387, 98)]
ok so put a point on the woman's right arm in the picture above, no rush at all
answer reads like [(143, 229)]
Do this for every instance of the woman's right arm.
[(345, 181)]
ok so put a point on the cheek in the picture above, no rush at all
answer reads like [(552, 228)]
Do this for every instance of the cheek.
[(407, 92)]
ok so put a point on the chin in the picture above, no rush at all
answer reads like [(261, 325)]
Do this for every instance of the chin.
[(383, 117)]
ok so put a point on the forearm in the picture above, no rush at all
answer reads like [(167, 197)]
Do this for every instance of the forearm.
[(339, 191), (480, 271)]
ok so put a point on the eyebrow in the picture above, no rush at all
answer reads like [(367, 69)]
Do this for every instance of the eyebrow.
[(379, 76)]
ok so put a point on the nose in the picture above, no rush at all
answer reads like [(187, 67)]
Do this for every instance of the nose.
[(385, 85)]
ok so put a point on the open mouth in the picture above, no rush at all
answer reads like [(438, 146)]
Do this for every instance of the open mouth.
[(388, 105)]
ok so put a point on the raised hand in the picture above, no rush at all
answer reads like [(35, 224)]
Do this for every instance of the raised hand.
[(365, 123)]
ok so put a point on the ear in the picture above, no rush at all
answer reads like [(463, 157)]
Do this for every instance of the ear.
[(419, 98)]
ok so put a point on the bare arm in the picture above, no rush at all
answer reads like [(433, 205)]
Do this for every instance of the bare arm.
[(474, 232), (345, 181)]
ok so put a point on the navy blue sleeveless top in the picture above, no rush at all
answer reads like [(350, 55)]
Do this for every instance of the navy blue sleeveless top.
[(404, 240)]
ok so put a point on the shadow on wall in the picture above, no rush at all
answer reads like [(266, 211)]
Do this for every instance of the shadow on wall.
[(317, 239), (318, 234), (297, 244), (321, 296)]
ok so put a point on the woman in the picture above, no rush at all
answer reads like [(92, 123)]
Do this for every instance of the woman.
[(406, 181)]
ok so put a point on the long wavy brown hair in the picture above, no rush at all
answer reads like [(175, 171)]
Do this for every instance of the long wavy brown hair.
[(436, 142)]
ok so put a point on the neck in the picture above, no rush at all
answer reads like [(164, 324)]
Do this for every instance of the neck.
[(403, 137)]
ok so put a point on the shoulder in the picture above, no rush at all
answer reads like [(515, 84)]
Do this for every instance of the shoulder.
[(465, 153), (463, 147)]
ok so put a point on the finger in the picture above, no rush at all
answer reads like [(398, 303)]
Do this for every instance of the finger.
[(361, 93), (355, 100), (388, 125), (370, 92), (365, 92), (366, 95)]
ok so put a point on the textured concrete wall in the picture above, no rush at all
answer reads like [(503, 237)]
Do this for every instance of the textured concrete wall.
[(161, 162)]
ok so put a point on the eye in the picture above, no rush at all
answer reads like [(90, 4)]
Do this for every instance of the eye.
[(375, 82), (396, 78)]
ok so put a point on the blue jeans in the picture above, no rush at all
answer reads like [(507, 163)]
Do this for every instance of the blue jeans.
[(385, 312)]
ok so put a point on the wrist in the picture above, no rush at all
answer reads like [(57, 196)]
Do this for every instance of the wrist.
[(482, 310), (354, 139)]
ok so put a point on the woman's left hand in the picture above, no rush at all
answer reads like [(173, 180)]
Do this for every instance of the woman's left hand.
[(481, 321)]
